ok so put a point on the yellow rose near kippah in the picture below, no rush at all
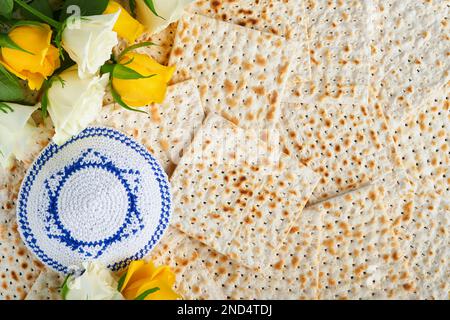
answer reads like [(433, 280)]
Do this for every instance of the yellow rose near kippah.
[(141, 92), (126, 26), (144, 281), (41, 58)]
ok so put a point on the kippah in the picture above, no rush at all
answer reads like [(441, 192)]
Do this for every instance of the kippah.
[(100, 196)]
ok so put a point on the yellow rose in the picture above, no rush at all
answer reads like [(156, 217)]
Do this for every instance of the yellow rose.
[(39, 63), (126, 26), (142, 277), (140, 92)]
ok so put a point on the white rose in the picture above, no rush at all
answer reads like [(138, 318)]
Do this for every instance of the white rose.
[(170, 10), (96, 283), (17, 131), (75, 103), (89, 42)]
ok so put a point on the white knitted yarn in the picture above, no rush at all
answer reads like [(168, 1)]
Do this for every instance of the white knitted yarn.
[(99, 196)]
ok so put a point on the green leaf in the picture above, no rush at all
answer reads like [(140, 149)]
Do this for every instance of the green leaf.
[(27, 23), (5, 24), (88, 7), (144, 294), (38, 14), (5, 108), (119, 100), (133, 8), (151, 6), (6, 8), (42, 6), (47, 85), (6, 42), (58, 39), (10, 88), (135, 46), (122, 72), (65, 288), (107, 68), (44, 104), (6, 73), (121, 281)]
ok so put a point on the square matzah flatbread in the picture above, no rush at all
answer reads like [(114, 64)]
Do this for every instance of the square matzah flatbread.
[(241, 73), (339, 33), (423, 143), (410, 53), (279, 17), (167, 129), (236, 194), (349, 145), (361, 256)]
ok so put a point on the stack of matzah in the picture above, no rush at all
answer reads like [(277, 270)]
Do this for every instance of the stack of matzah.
[(308, 147)]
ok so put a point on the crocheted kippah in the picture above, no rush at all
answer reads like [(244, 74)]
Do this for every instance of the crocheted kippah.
[(99, 196)]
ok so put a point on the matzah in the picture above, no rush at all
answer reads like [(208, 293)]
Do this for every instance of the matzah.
[(339, 33), (167, 129), (292, 274), (236, 194), (342, 248), (427, 240), (163, 44), (361, 256), (18, 268), (160, 51), (47, 286), (423, 139), (193, 281), (349, 145), (279, 17), (423, 144), (410, 53), (241, 73)]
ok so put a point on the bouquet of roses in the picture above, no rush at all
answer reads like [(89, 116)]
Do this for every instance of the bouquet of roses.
[(57, 57)]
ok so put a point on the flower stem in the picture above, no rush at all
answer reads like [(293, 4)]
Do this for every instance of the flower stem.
[(55, 24)]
